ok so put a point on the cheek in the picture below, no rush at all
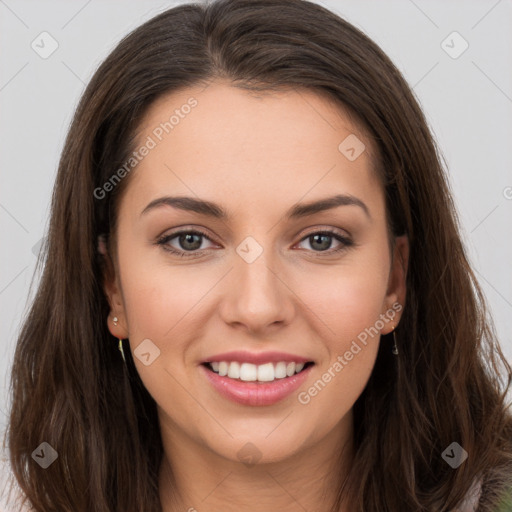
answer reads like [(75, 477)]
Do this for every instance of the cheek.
[(348, 310), (347, 299), (351, 312), (160, 304), (347, 304), (157, 296)]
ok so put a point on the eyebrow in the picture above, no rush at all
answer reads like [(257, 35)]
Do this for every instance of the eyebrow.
[(297, 211)]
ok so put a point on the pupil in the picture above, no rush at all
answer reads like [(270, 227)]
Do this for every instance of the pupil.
[(325, 245), (185, 239)]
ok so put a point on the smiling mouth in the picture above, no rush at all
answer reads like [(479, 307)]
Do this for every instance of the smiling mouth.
[(263, 373)]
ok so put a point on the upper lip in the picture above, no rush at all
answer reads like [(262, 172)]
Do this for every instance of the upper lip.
[(243, 356)]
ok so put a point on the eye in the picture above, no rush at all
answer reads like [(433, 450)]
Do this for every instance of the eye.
[(190, 242), (321, 241)]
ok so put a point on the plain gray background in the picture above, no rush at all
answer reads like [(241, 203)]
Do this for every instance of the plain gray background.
[(467, 101)]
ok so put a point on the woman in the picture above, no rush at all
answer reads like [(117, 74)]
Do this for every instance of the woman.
[(321, 345)]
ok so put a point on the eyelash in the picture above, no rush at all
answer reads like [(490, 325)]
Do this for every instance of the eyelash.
[(163, 241)]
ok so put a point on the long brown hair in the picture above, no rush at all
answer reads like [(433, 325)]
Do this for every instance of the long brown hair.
[(69, 385)]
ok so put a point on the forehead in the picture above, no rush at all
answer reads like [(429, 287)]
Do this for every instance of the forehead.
[(240, 145)]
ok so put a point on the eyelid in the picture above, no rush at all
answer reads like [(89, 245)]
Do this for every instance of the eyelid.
[(324, 229)]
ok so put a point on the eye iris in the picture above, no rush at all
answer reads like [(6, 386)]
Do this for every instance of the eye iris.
[(327, 240), (187, 238)]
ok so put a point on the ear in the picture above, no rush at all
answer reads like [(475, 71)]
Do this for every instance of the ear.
[(113, 291), (397, 283)]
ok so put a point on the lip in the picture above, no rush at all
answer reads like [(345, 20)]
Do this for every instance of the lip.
[(243, 356), (255, 393)]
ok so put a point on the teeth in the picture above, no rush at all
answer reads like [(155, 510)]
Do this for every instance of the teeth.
[(223, 368), (234, 370), (248, 372), (280, 371), (266, 372)]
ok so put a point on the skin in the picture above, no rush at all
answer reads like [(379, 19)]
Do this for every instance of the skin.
[(256, 156)]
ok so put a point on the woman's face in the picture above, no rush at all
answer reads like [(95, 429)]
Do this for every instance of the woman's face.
[(264, 280)]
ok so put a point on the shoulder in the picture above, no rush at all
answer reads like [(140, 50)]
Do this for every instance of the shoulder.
[(11, 495), (470, 503)]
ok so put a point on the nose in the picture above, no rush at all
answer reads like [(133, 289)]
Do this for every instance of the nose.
[(257, 297)]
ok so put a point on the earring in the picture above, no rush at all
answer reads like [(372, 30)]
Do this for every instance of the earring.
[(115, 320), (120, 346), (395, 348)]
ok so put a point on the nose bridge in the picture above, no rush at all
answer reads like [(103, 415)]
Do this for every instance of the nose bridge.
[(258, 297), (254, 269)]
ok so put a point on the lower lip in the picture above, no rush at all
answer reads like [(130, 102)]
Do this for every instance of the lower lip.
[(256, 393)]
